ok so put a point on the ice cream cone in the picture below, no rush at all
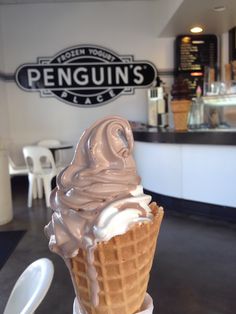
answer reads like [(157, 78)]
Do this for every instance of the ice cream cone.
[(180, 109), (147, 306), (122, 264), (102, 224)]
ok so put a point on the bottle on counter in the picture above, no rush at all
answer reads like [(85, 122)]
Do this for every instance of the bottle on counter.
[(196, 116)]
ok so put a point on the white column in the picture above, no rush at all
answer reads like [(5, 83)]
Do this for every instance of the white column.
[(6, 212)]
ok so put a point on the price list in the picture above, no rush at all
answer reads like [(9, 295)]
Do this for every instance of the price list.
[(195, 52), (194, 55)]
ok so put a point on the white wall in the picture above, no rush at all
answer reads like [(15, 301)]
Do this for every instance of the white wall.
[(4, 115), (41, 30)]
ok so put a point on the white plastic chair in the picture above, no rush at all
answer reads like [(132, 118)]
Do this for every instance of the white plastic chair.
[(15, 170), (30, 288), (39, 174), (52, 143)]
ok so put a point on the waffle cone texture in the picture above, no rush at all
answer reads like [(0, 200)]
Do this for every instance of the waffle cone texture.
[(180, 109), (123, 265)]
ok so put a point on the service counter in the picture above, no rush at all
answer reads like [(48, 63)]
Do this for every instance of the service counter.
[(198, 166)]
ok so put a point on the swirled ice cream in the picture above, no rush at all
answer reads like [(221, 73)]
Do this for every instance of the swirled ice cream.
[(98, 196)]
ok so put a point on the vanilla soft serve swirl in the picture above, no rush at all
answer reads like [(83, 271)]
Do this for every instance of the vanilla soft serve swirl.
[(99, 194)]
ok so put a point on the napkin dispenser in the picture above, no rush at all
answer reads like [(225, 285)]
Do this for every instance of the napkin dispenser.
[(157, 107)]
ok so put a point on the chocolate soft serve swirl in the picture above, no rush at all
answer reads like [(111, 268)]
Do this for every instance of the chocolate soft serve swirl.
[(102, 170), (99, 194)]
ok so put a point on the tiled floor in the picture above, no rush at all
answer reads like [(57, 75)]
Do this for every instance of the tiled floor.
[(194, 271)]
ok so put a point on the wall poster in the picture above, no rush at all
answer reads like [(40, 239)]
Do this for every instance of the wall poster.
[(85, 75)]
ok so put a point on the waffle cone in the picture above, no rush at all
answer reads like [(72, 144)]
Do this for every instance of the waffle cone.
[(123, 265), (180, 109)]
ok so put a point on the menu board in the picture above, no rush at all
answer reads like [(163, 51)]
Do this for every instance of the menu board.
[(232, 44), (194, 56)]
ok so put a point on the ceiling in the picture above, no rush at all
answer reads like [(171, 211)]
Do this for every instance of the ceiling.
[(55, 1), (201, 12), (175, 17)]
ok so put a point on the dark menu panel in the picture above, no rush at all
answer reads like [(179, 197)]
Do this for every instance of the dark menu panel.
[(232, 44), (194, 56)]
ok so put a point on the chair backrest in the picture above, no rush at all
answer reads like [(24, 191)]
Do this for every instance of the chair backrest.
[(11, 162), (49, 143), (16, 170), (11, 165), (30, 288), (35, 157)]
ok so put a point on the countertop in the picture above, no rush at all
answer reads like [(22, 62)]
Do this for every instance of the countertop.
[(200, 136)]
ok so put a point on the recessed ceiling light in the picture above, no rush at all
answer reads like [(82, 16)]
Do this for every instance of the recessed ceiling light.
[(196, 29), (219, 8)]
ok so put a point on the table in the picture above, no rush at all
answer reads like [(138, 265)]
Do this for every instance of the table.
[(55, 148)]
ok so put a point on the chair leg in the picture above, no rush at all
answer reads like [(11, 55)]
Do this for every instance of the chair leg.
[(47, 190), (34, 191), (39, 188), (30, 190)]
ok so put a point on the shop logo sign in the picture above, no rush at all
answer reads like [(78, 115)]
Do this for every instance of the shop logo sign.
[(86, 75)]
